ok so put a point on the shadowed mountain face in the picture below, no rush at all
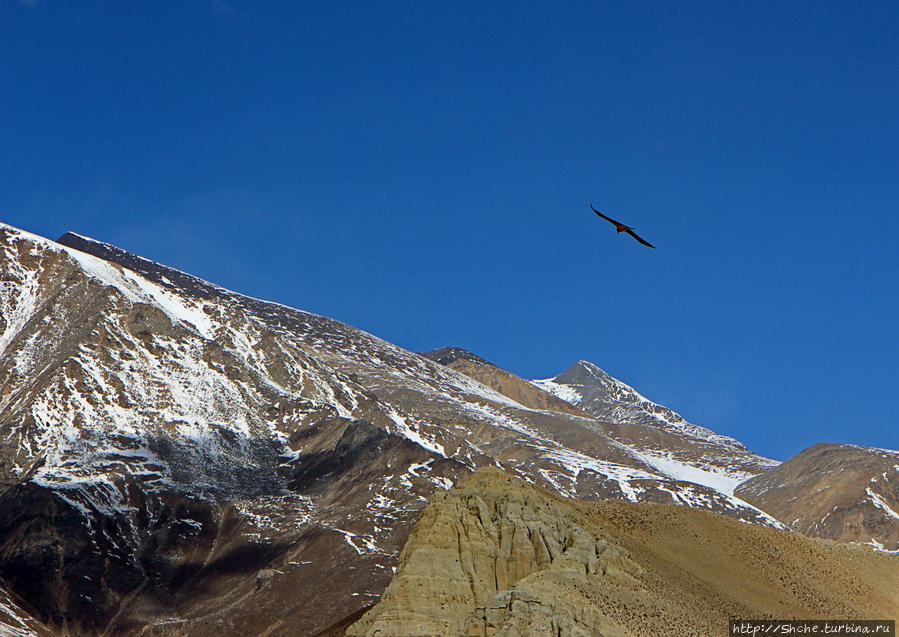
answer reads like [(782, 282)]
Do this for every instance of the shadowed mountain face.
[(841, 492), (177, 458)]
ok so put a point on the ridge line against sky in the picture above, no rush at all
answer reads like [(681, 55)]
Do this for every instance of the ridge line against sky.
[(424, 173)]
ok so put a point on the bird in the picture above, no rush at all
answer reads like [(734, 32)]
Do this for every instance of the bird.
[(620, 227)]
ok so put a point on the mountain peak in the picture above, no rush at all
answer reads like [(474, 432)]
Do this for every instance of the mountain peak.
[(592, 389), (583, 373), (72, 235), (446, 355)]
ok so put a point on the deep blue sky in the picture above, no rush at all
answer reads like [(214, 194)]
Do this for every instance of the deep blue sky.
[(423, 171)]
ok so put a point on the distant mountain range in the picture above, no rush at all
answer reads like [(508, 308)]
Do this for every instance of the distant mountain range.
[(177, 458)]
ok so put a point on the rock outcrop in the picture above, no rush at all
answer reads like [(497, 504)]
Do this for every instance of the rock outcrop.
[(497, 556)]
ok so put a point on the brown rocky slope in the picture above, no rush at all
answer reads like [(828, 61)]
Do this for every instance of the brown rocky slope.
[(841, 492), (506, 383), (496, 556)]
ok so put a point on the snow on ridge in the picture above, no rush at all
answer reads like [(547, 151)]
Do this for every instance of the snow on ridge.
[(218, 288), (134, 286), (623, 397), (595, 370), (30, 236), (404, 429), (878, 450), (881, 504), (564, 392), (49, 243), (137, 288)]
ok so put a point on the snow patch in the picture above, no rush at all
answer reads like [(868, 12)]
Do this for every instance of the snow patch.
[(565, 392), (404, 429), (139, 289), (718, 480), (880, 503)]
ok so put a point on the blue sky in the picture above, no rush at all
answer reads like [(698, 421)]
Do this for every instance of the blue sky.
[(423, 171)]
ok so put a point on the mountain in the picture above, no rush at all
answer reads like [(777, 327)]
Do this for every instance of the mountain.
[(659, 432), (841, 492), (497, 556), (177, 458), (508, 384), (171, 448)]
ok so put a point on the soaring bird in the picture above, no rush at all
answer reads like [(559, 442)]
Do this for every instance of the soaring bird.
[(620, 227)]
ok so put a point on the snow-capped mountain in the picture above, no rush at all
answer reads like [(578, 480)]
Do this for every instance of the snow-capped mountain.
[(665, 440), (179, 458)]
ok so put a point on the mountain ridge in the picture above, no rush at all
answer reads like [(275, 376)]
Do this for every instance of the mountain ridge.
[(186, 448)]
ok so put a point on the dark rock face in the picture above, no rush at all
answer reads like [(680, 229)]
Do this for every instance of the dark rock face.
[(75, 565), (97, 570), (447, 355)]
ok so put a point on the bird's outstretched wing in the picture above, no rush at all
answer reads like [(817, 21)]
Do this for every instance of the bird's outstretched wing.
[(621, 227), (609, 219), (639, 238)]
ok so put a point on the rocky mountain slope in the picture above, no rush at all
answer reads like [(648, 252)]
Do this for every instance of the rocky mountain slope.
[(16, 621), (506, 383), (497, 556), (161, 450), (841, 492), (177, 458), (656, 430)]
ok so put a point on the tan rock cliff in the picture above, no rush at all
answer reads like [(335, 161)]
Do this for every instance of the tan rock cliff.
[(496, 556)]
